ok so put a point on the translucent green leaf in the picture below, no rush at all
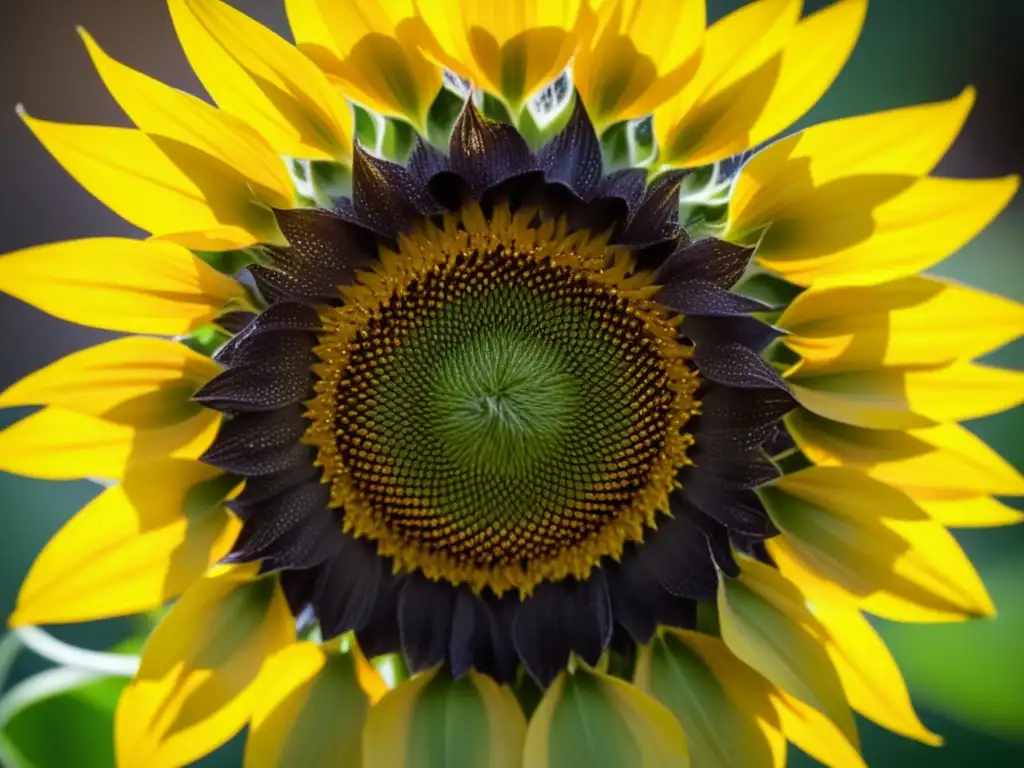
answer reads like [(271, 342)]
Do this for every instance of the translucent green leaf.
[(85, 717)]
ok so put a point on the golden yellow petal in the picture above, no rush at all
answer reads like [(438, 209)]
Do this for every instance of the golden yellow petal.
[(386, 733), (58, 444), (875, 543), (372, 49), (192, 203), (196, 686), (900, 142), (200, 139), (510, 49), (721, 732), (739, 66), (257, 76), (750, 691), (942, 458), (766, 623), (917, 320), (137, 381), (120, 285), (309, 710), (132, 548), (640, 54), (909, 397), (957, 511), (635, 729), (811, 60), (866, 230)]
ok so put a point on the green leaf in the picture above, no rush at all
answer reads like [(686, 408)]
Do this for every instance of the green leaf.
[(331, 180), (772, 290), (615, 147), (229, 262), (442, 115), (85, 719), (206, 339), (399, 138), (366, 127)]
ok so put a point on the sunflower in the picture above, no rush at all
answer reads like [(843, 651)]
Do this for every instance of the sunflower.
[(510, 409)]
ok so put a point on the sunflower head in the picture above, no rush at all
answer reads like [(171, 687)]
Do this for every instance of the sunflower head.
[(529, 390)]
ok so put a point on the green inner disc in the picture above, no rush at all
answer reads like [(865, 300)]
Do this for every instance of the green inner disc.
[(502, 409)]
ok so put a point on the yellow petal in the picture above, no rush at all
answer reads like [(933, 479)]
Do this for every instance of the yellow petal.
[(867, 230), (744, 689), (386, 734), (904, 142), (784, 86), (589, 718), (765, 622), (955, 511), (257, 76), (185, 127), (132, 548), (641, 53), (309, 710), (196, 686), (814, 733), (511, 49), (945, 457), (58, 444), (136, 381), (739, 66), (913, 321), (372, 49), (874, 542), (908, 398), (120, 285), (191, 203), (776, 711), (720, 731), (870, 676), (811, 60), (432, 721)]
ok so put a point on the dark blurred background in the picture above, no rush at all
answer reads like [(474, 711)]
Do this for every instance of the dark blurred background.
[(967, 680)]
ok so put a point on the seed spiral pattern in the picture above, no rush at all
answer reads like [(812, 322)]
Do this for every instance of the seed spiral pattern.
[(500, 414)]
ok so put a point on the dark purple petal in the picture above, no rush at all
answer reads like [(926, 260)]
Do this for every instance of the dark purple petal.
[(348, 588), (424, 621), (657, 217), (573, 157), (484, 152), (381, 193), (560, 618), (719, 331), (736, 366), (717, 261), (260, 443), (271, 374), (704, 298)]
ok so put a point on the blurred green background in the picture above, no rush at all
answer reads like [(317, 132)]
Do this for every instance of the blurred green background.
[(967, 680)]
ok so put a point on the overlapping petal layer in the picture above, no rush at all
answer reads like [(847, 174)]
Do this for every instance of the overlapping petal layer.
[(133, 548), (198, 682), (510, 49), (256, 76), (373, 50), (760, 70), (311, 705)]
